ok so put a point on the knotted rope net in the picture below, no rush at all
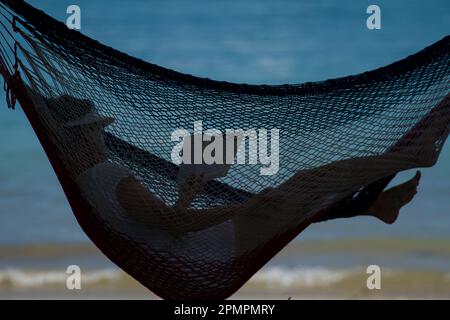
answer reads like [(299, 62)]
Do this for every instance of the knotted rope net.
[(106, 119)]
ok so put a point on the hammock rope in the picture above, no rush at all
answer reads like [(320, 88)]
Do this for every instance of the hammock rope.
[(105, 120)]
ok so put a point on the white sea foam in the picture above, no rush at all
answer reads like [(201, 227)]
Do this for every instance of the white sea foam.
[(27, 279), (281, 277), (274, 277)]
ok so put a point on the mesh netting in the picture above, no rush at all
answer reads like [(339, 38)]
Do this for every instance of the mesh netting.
[(105, 120)]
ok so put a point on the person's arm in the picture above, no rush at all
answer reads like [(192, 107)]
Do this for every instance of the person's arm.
[(147, 209), (188, 191)]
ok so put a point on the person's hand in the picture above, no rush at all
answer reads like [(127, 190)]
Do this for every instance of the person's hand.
[(193, 183), (189, 190)]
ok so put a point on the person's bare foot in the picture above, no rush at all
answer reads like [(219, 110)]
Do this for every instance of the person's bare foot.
[(387, 206)]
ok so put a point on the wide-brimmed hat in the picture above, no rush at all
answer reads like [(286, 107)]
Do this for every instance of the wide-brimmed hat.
[(90, 119), (75, 112)]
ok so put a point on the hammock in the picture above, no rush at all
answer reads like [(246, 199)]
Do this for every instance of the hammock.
[(340, 142)]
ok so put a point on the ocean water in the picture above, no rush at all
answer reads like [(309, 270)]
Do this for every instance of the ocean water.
[(252, 41)]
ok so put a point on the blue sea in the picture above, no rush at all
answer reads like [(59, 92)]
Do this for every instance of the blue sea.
[(251, 41)]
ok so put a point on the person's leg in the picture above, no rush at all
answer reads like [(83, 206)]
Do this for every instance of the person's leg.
[(387, 206), (371, 201)]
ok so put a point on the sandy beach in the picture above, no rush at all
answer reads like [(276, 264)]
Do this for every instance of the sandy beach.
[(38, 272)]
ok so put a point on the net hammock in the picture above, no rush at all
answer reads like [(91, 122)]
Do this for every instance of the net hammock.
[(105, 121)]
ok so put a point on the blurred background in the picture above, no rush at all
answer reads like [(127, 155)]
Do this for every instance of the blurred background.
[(252, 41)]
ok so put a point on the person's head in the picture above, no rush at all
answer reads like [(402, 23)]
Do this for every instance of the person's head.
[(82, 128)]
